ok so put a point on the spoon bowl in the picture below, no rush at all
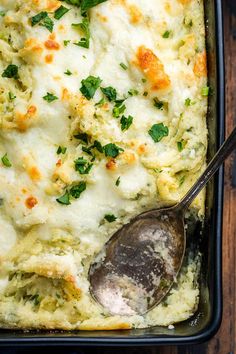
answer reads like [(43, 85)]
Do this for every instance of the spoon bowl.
[(140, 263)]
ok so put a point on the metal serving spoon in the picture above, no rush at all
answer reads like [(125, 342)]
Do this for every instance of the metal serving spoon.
[(140, 263)]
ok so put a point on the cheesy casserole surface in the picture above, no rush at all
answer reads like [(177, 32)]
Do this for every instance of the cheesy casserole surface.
[(102, 116)]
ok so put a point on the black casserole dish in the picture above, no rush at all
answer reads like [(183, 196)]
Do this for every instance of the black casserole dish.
[(208, 317)]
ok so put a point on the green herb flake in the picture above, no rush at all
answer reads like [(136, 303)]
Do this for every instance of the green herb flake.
[(42, 19), (78, 189), (188, 102), (73, 2), (181, 180), (158, 132), (88, 4), (61, 150), (119, 108), (110, 93), (118, 182), (205, 91), (64, 199), (166, 34), (97, 145), (5, 160), (133, 92), (84, 27), (145, 94), (36, 299), (112, 150), (68, 72), (83, 137), (66, 42), (90, 86), (123, 66), (144, 80), (101, 102), (47, 23), (2, 13), (180, 145), (60, 12), (82, 166), (158, 104), (11, 96), (126, 122), (38, 18), (49, 97), (110, 218), (11, 72)]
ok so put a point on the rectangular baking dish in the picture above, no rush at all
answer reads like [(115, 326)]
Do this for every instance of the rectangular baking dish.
[(204, 324)]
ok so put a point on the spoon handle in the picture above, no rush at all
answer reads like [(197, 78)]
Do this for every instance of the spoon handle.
[(225, 150)]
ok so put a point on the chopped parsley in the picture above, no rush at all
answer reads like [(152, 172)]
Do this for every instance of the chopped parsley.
[(110, 218), (61, 11), (74, 192), (101, 102), (112, 150), (97, 145), (126, 122), (110, 93), (188, 102), (118, 182), (205, 91), (90, 86), (42, 19), (73, 2), (158, 104), (64, 199), (68, 72), (158, 132), (123, 66), (83, 26), (119, 108), (133, 92), (11, 72), (66, 42), (77, 190), (83, 137), (49, 97), (182, 180), (38, 18), (166, 34), (61, 150), (180, 145), (11, 96), (5, 160), (82, 166), (36, 299), (88, 4), (87, 150), (2, 13), (144, 80)]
